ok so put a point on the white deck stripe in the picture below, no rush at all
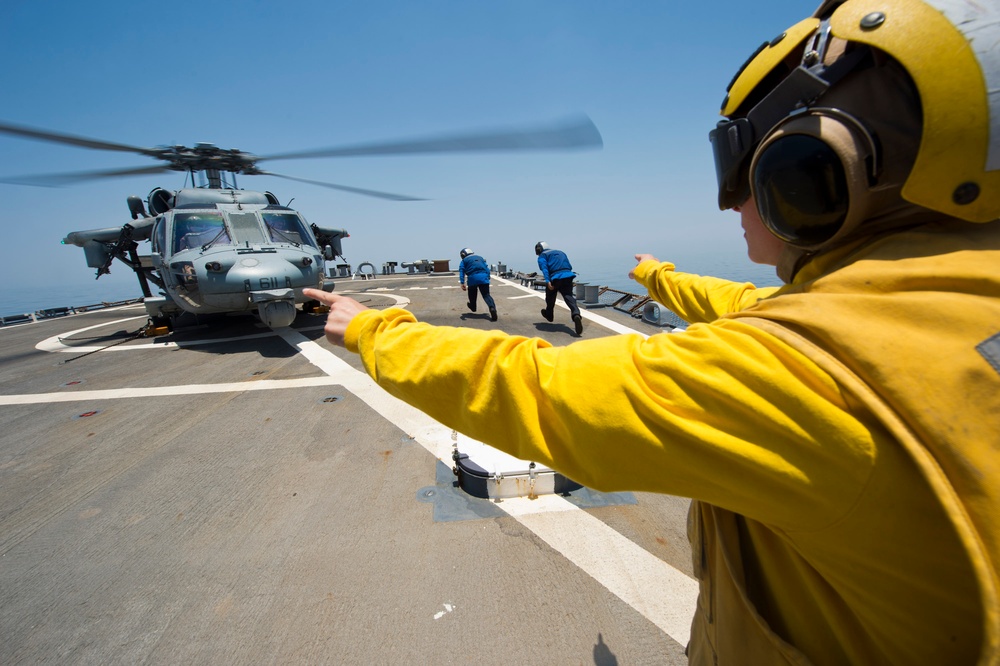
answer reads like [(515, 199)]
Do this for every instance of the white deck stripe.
[(159, 391), (584, 312), (659, 592), (656, 590)]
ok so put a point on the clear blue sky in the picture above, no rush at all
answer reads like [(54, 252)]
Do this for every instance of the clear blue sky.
[(272, 77)]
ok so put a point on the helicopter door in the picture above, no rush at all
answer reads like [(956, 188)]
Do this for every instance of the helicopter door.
[(246, 228)]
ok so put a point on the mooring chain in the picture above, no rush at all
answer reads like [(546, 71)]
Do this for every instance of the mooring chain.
[(140, 333)]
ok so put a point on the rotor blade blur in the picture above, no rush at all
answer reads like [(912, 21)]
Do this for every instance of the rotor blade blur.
[(82, 142), (564, 135), (345, 188), (59, 179)]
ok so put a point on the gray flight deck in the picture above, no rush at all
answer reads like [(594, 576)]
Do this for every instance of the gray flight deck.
[(228, 494)]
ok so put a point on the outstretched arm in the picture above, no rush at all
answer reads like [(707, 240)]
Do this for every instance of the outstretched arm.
[(622, 412), (694, 298)]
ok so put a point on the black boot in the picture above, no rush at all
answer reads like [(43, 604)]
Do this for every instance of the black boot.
[(493, 314), (546, 314), (471, 306), (578, 320)]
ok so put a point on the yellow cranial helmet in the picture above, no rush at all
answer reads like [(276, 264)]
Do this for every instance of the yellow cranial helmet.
[(784, 102)]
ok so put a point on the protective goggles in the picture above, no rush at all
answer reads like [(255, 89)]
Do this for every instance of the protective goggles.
[(734, 140), (732, 144)]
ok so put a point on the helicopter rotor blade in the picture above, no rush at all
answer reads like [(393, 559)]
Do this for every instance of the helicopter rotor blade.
[(72, 140), (568, 134), (344, 188), (59, 179)]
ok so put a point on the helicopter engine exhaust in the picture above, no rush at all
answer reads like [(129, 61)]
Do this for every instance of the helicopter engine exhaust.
[(160, 201)]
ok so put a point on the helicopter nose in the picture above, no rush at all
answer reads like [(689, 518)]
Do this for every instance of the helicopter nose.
[(256, 273), (276, 307), (277, 313)]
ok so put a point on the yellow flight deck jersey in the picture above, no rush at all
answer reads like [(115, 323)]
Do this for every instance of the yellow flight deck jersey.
[(840, 435)]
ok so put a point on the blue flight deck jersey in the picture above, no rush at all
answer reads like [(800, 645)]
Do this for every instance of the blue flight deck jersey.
[(555, 265), (476, 268)]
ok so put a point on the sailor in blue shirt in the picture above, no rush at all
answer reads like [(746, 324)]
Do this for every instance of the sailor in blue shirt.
[(478, 271), (558, 274)]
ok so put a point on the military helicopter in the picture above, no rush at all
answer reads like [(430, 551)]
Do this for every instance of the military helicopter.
[(216, 248)]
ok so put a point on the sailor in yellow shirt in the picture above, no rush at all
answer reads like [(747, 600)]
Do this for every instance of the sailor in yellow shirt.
[(839, 434)]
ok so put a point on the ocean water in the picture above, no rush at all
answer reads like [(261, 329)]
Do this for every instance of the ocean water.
[(729, 268), (602, 272), (41, 297)]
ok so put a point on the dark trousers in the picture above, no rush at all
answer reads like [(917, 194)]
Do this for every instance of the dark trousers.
[(485, 289), (562, 286)]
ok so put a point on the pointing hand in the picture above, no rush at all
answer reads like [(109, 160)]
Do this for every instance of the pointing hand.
[(342, 311), (639, 258)]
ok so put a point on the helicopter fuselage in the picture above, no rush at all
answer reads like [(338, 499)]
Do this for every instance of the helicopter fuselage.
[(224, 251), (217, 248), (231, 257)]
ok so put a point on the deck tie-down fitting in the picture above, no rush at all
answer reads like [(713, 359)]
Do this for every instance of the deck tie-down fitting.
[(360, 273), (532, 477), (498, 479)]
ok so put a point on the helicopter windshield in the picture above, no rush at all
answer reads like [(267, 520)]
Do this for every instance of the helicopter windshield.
[(285, 228), (199, 230)]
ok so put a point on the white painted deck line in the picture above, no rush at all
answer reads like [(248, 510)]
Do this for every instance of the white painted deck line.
[(584, 312), (56, 344), (160, 391), (659, 592), (433, 436)]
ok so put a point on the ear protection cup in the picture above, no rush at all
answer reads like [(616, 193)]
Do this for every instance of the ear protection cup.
[(811, 177), (802, 193)]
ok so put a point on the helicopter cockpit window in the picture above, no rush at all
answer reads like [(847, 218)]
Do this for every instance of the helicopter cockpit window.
[(159, 240), (285, 228), (193, 230)]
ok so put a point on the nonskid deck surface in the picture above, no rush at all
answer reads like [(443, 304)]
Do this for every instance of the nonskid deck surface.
[(233, 494)]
